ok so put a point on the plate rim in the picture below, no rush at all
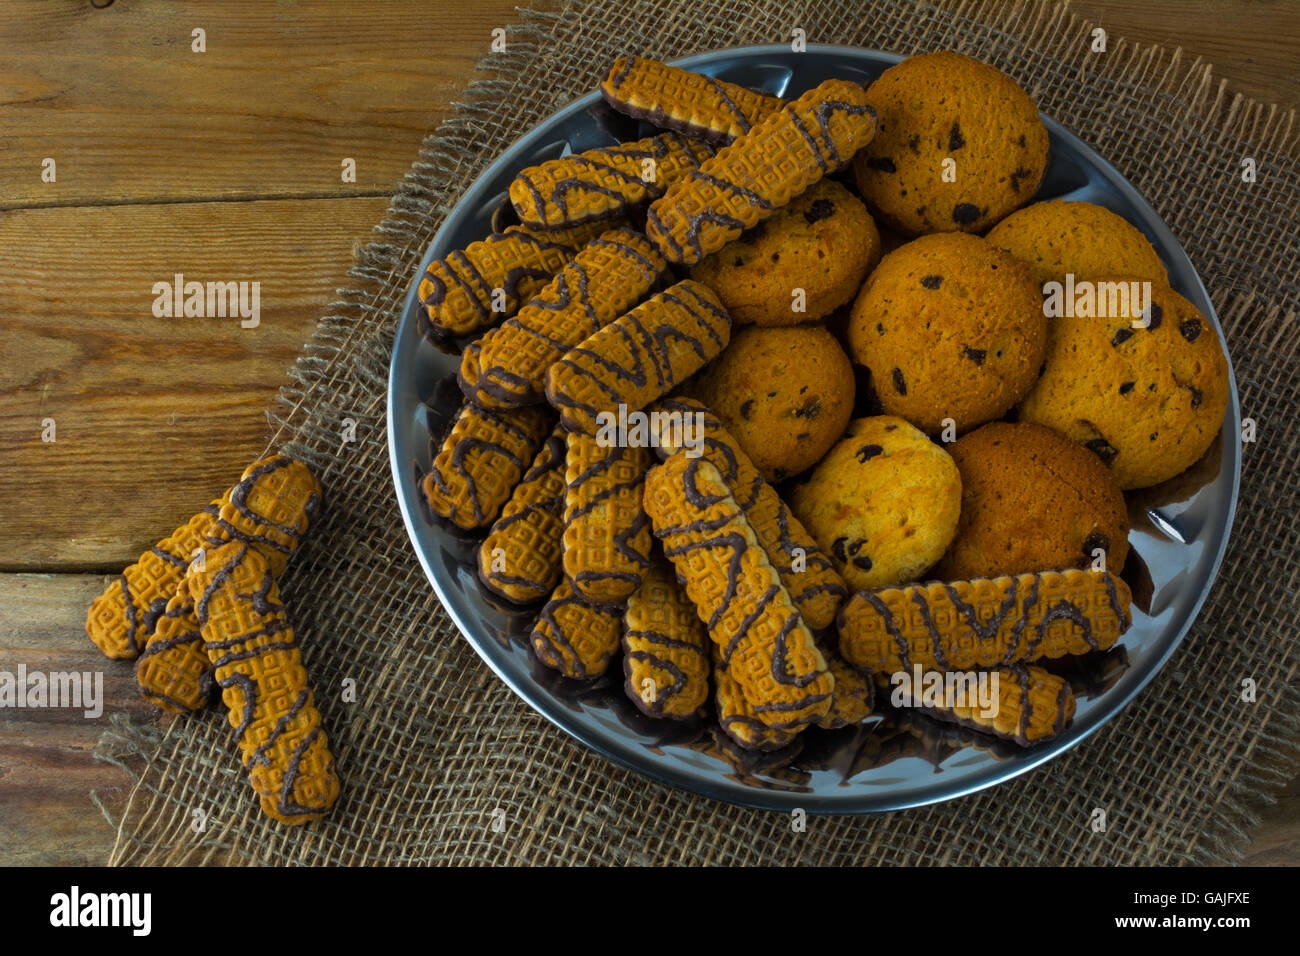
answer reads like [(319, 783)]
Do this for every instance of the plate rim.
[(629, 753)]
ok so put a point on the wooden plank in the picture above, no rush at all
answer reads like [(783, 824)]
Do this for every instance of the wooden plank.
[(47, 764), (1252, 46), (282, 94), (153, 416)]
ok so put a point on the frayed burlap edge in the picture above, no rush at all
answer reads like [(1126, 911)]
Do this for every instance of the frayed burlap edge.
[(152, 829)]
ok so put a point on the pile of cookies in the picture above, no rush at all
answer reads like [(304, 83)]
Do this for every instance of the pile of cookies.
[(898, 461), (200, 612)]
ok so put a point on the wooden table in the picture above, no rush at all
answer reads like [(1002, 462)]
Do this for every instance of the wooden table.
[(226, 165)]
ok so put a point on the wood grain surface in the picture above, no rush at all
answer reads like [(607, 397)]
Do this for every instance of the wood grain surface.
[(225, 165)]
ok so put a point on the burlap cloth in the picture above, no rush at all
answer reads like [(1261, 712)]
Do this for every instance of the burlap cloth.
[(435, 742)]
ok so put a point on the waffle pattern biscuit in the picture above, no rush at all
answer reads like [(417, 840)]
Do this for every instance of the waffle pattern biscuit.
[(665, 648), (256, 663), (610, 275), (603, 183), (575, 637), (469, 376), (1032, 705), (817, 588), (691, 103), (457, 292), (737, 718), (121, 619), (762, 640), (527, 565), (639, 357), (984, 622), (761, 171), (481, 460), (272, 507), (607, 536), (174, 671), (854, 695)]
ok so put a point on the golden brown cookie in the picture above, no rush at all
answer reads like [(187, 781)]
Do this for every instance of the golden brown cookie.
[(639, 357), (520, 557), (610, 275), (604, 183), (803, 263), (606, 532), (121, 619), (271, 507), (764, 643), (761, 171), (1032, 500), (691, 103), (574, 637), (256, 663), (986, 622), (736, 715), (478, 286), (174, 671), (665, 648), (1147, 401), (481, 460), (1032, 704), (883, 502), (807, 573), (469, 375), (785, 393), (1079, 238), (952, 330), (960, 145)]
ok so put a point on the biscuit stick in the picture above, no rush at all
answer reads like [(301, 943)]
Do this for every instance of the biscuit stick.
[(480, 462), (639, 357), (692, 103), (606, 531), (665, 648), (602, 183), (610, 275), (256, 663), (815, 586), (1032, 704), (121, 619), (761, 171), (984, 622), (487, 281), (762, 640), (520, 557), (575, 637)]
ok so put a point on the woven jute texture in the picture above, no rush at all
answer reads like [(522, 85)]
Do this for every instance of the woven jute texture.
[(435, 742)]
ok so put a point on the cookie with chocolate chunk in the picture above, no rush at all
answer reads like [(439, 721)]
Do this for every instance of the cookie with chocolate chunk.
[(803, 263), (1147, 399), (952, 330), (1077, 238), (784, 393), (883, 503), (1032, 500), (958, 146)]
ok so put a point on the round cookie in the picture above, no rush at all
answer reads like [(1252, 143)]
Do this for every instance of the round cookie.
[(823, 242), (1079, 238), (1032, 500), (944, 106), (951, 328), (785, 393), (1148, 401), (883, 503)]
